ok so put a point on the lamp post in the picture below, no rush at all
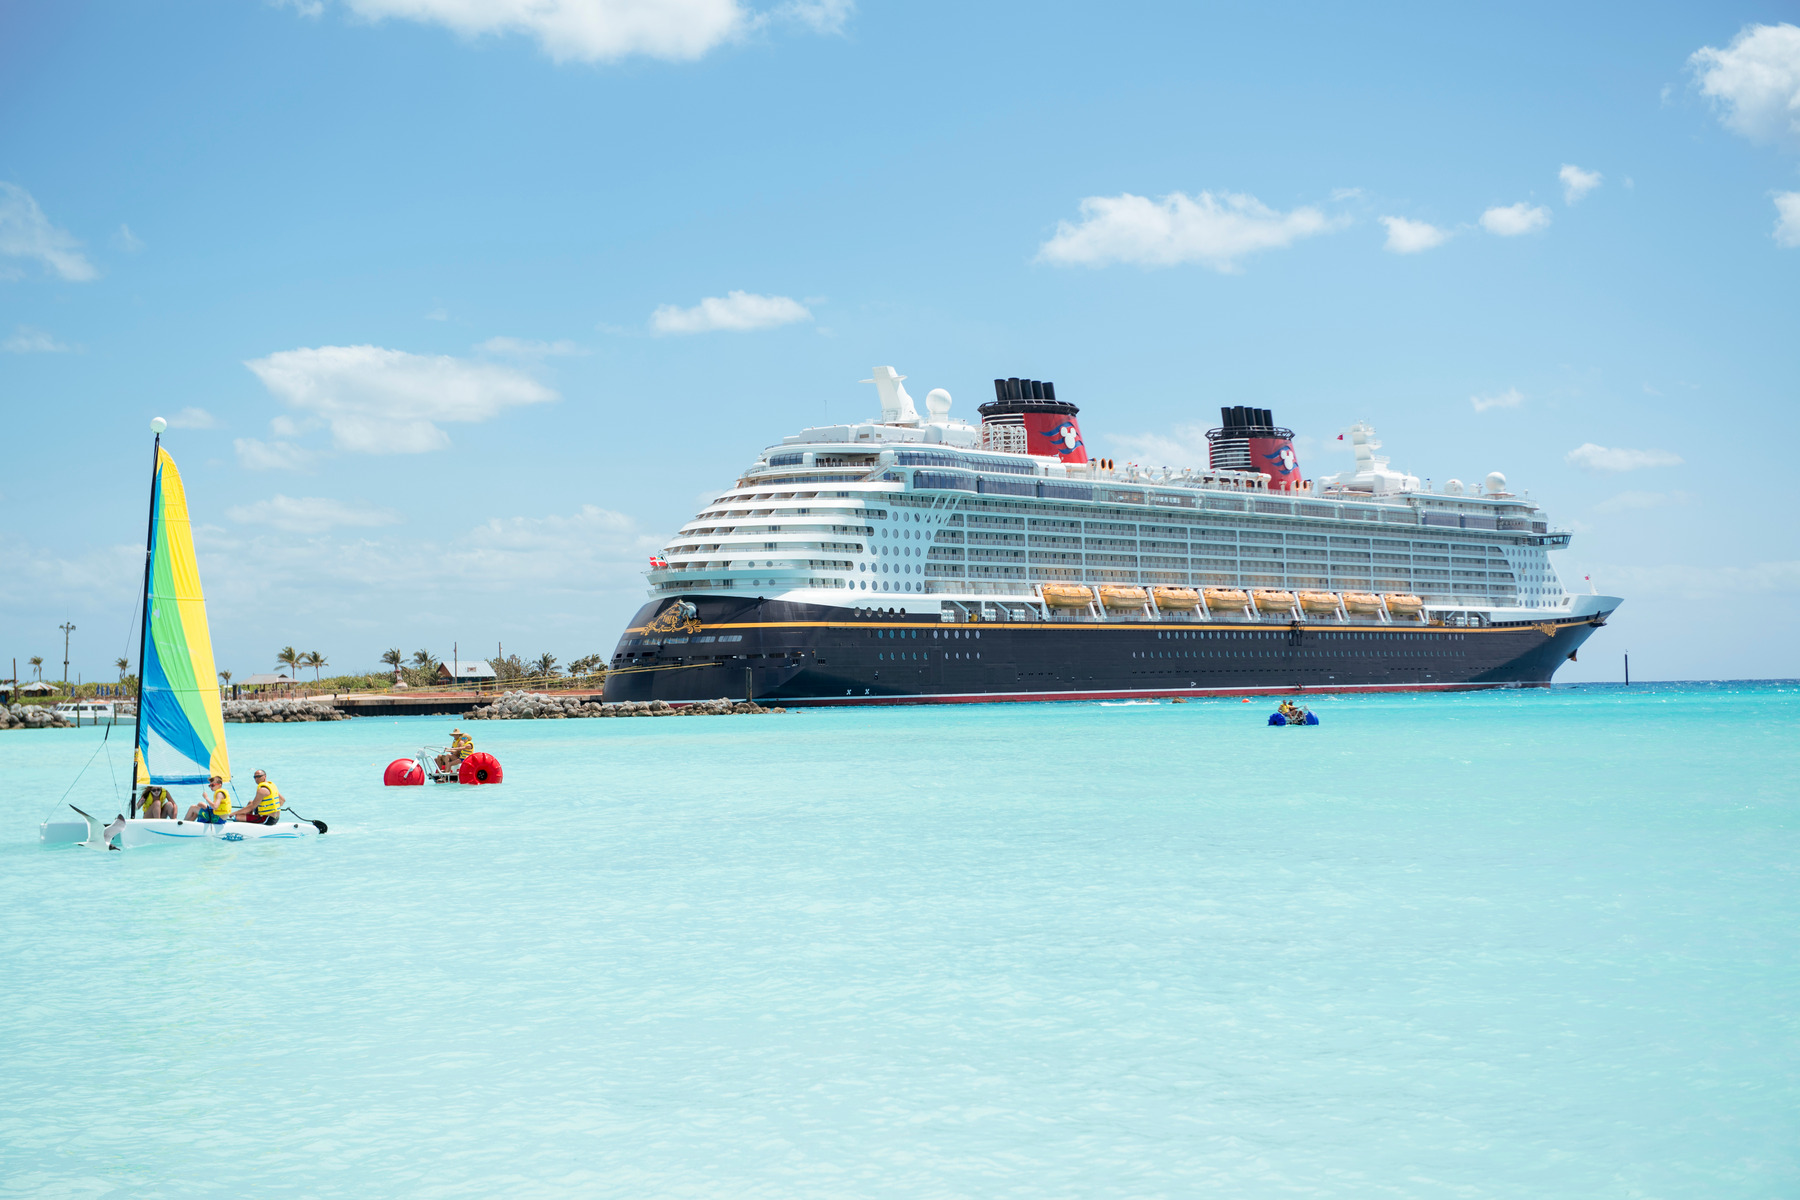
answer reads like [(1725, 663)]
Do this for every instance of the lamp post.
[(67, 627)]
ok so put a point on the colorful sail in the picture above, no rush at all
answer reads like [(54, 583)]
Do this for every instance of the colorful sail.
[(181, 731)]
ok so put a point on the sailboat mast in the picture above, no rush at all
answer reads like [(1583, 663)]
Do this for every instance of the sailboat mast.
[(137, 729)]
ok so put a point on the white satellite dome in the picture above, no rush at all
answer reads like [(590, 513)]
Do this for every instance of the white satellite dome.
[(1496, 482)]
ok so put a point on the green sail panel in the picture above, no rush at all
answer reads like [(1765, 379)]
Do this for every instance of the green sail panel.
[(181, 728)]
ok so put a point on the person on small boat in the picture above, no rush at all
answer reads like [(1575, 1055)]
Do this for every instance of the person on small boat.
[(1292, 711), (265, 806), (157, 805), (215, 811), (461, 746)]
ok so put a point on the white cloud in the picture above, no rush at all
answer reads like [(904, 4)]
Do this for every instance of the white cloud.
[(1756, 81), (736, 311), (380, 401), (592, 550), (1178, 229), (193, 418), (438, 314), (128, 241), (1514, 219), (1590, 457), (588, 30), (100, 576), (821, 16), (1787, 220), (1183, 446), (1412, 237), (1510, 398), (272, 456), (26, 233), (1577, 182), (27, 340), (310, 514), (525, 348)]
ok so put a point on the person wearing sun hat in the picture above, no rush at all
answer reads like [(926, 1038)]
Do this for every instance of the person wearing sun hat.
[(461, 746)]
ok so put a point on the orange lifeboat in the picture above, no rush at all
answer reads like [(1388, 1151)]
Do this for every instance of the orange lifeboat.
[(1273, 600), (1324, 603), (1177, 599), (1362, 602), (1114, 595), (1067, 595), (1403, 604), (1229, 599)]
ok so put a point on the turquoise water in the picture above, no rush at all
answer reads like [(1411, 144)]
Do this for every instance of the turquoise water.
[(1496, 944)]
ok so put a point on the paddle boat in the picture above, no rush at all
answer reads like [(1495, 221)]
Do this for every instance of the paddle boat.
[(474, 769), (1292, 714)]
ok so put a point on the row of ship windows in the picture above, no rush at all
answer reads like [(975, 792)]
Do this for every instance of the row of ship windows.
[(1421, 552), (1065, 525)]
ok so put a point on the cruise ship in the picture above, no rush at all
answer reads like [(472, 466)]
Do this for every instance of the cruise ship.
[(922, 559)]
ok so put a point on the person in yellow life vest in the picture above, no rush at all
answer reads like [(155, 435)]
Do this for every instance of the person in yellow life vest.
[(216, 809), (265, 806), (157, 805), (461, 746)]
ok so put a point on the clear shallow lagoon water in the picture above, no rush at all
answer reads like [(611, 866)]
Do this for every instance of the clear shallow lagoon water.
[(1493, 944)]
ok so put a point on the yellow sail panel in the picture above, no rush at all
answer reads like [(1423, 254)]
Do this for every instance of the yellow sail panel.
[(180, 685)]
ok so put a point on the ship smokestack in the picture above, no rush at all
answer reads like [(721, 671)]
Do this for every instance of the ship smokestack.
[(1249, 440), (1025, 417)]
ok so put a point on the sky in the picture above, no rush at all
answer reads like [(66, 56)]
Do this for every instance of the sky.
[(458, 308)]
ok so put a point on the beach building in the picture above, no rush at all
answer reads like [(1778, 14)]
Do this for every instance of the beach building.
[(467, 671)]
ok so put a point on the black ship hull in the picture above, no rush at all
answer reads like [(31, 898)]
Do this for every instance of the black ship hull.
[(774, 651)]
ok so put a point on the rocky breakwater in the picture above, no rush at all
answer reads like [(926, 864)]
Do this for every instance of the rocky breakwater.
[(31, 716), (536, 706), (260, 711)]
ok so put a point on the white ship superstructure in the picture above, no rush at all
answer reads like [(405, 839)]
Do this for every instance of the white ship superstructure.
[(918, 510)]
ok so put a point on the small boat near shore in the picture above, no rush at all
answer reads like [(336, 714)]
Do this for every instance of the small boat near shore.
[(88, 712)]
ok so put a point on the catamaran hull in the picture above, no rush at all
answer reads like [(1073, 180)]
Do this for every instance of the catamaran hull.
[(164, 832)]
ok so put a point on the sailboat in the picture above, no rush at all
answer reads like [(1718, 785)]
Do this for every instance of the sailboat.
[(180, 731)]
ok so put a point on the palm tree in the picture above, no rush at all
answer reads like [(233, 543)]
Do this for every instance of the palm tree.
[(290, 658), (124, 665), (315, 660), (37, 664), (393, 658), (424, 660), (545, 664), (225, 678)]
